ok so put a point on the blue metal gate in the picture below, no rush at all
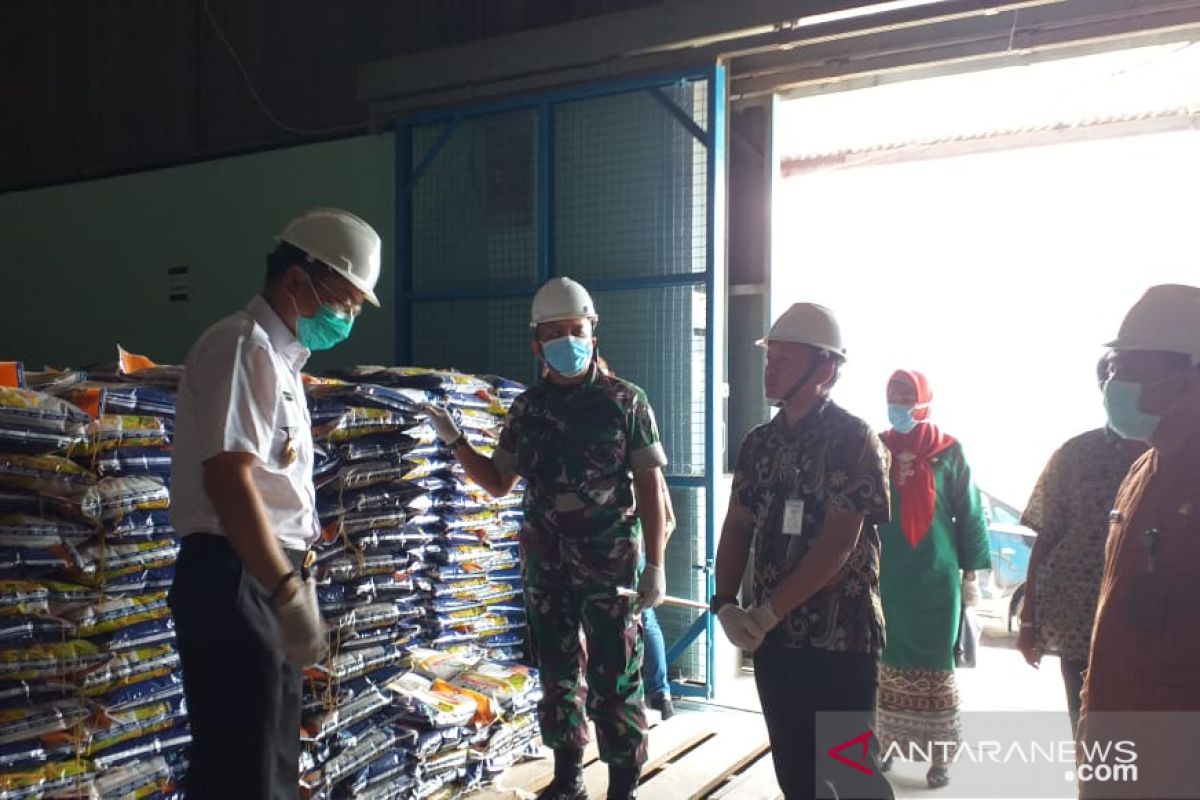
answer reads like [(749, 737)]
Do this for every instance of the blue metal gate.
[(619, 186)]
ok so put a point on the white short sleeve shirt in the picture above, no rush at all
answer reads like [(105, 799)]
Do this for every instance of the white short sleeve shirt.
[(241, 392)]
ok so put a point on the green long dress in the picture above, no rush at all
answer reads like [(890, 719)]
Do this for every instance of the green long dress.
[(922, 599)]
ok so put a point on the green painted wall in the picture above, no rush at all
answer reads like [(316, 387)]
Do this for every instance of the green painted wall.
[(85, 265)]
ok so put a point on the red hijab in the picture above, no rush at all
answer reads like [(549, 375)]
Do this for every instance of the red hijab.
[(912, 460)]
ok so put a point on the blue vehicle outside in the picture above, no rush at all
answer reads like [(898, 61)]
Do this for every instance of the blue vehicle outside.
[(1011, 544)]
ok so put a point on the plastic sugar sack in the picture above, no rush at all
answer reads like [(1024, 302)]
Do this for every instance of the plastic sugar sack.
[(167, 742), (53, 381), (129, 667), (504, 683), (43, 473), (137, 580), (115, 431), (419, 701), (19, 529), (344, 764), (44, 781), (348, 666), (134, 461), (19, 439), (99, 561), (138, 400), (140, 635), (106, 729), (439, 663), (324, 723), (141, 779), (49, 660), (24, 408), (365, 617), (142, 525), (152, 690), (19, 597), (112, 498), (30, 721), (364, 474), (31, 628), (387, 446), (114, 613), (361, 421), (351, 566), (374, 395)]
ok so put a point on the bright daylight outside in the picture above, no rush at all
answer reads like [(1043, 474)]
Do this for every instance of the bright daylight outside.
[(990, 230)]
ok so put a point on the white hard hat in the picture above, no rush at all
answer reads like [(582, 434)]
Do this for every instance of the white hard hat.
[(343, 242), (807, 323), (561, 298), (1166, 319)]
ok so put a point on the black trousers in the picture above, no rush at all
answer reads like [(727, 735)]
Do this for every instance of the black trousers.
[(243, 695), (1072, 672), (794, 684)]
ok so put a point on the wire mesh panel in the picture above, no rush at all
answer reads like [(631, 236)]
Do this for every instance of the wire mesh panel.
[(630, 184), (686, 578), (474, 208), (614, 187), (655, 338)]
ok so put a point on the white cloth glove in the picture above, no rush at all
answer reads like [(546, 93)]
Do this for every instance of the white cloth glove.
[(970, 592), (443, 422), (740, 628), (652, 588), (764, 616), (304, 640)]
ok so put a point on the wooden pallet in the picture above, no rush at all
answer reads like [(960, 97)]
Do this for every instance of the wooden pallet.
[(692, 755), (755, 782)]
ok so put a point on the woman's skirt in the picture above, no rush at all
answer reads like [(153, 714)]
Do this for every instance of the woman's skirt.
[(917, 716)]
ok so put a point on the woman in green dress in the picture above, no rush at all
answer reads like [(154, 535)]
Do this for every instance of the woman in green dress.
[(930, 550)]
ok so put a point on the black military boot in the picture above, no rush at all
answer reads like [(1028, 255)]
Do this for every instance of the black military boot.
[(623, 782), (663, 705), (568, 776)]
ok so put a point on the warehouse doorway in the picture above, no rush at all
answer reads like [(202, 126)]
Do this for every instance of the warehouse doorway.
[(991, 228)]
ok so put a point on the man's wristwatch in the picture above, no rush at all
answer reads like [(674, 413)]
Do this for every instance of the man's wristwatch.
[(719, 601)]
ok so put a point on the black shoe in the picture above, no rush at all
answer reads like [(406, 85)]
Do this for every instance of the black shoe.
[(623, 782), (663, 705), (937, 777), (568, 777)]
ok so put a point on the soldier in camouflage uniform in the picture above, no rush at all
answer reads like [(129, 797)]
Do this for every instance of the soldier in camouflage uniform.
[(586, 443)]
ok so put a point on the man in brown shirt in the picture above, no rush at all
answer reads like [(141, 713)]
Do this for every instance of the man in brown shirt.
[(1145, 654)]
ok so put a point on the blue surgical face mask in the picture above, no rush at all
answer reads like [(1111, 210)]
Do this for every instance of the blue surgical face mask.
[(1122, 401), (325, 329), (901, 417), (569, 356)]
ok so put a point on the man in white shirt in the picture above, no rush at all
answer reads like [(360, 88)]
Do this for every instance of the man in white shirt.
[(243, 500)]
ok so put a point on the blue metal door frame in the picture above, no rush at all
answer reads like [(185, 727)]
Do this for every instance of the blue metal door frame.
[(409, 174)]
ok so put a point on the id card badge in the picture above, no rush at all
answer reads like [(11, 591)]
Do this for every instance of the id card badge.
[(793, 518)]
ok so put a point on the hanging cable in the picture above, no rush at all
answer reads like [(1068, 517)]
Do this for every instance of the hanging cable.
[(258, 100)]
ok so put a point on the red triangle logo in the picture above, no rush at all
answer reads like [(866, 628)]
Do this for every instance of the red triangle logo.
[(862, 741)]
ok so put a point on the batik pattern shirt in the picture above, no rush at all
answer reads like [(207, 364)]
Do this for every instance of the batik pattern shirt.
[(1069, 511), (832, 462)]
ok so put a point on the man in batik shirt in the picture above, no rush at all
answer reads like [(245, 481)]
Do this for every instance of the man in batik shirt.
[(1069, 511), (808, 493)]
